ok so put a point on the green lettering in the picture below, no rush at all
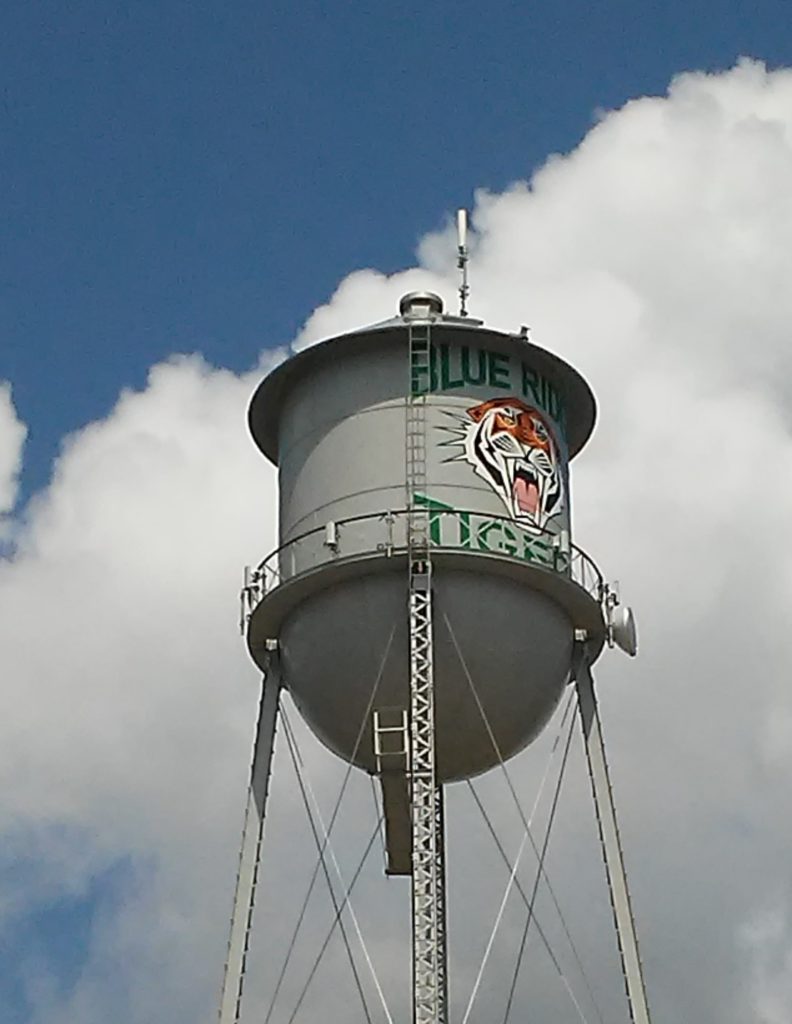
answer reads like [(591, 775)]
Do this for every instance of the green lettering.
[(464, 529), (553, 402), (419, 371), (499, 376), (436, 510), (541, 392), (467, 376), (507, 545), (536, 550), (530, 383), (471, 530), (446, 381)]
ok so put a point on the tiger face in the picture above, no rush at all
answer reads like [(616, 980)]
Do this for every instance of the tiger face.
[(511, 446)]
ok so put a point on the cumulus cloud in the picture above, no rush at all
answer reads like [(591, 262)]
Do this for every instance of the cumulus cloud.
[(655, 257), (122, 681), (12, 439), (766, 940)]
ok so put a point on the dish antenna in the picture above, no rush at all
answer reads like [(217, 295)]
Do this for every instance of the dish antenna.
[(623, 632)]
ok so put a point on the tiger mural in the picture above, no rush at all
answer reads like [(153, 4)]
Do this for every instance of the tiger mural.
[(511, 446)]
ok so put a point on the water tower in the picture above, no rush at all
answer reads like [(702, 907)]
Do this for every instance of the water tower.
[(426, 607)]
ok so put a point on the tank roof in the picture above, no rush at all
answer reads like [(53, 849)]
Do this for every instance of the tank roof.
[(267, 401)]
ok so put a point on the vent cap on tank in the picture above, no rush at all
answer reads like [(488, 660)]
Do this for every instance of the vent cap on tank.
[(420, 305)]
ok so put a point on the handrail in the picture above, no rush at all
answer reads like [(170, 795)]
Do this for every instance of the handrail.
[(449, 529)]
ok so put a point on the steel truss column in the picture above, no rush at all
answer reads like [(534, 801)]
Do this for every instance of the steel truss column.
[(609, 838), (250, 853), (428, 869), (442, 964), (428, 897)]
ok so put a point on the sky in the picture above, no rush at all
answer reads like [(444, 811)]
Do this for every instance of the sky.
[(187, 192)]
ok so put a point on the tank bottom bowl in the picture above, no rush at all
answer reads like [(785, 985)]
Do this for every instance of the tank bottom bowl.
[(497, 640)]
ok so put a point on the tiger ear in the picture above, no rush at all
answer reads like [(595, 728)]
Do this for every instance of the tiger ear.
[(478, 412)]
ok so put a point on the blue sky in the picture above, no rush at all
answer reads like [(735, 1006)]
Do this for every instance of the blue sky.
[(184, 177)]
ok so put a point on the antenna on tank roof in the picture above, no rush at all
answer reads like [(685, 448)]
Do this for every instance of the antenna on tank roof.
[(462, 261)]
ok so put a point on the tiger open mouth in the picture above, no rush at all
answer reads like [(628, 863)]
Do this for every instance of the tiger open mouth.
[(525, 488), (512, 447)]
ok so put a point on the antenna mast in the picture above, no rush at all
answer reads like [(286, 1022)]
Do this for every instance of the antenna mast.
[(462, 261)]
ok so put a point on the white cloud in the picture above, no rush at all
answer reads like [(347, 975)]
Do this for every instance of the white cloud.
[(656, 257), (124, 683), (361, 296), (766, 940), (12, 439)]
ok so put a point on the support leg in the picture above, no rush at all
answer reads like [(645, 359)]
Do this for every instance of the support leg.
[(428, 898), (442, 918), (609, 838), (252, 832)]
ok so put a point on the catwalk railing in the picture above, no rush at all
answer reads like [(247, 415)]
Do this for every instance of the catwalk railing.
[(450, 529)]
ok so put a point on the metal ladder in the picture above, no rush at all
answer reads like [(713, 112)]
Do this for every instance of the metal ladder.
[(430, 998), (420, 346)]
